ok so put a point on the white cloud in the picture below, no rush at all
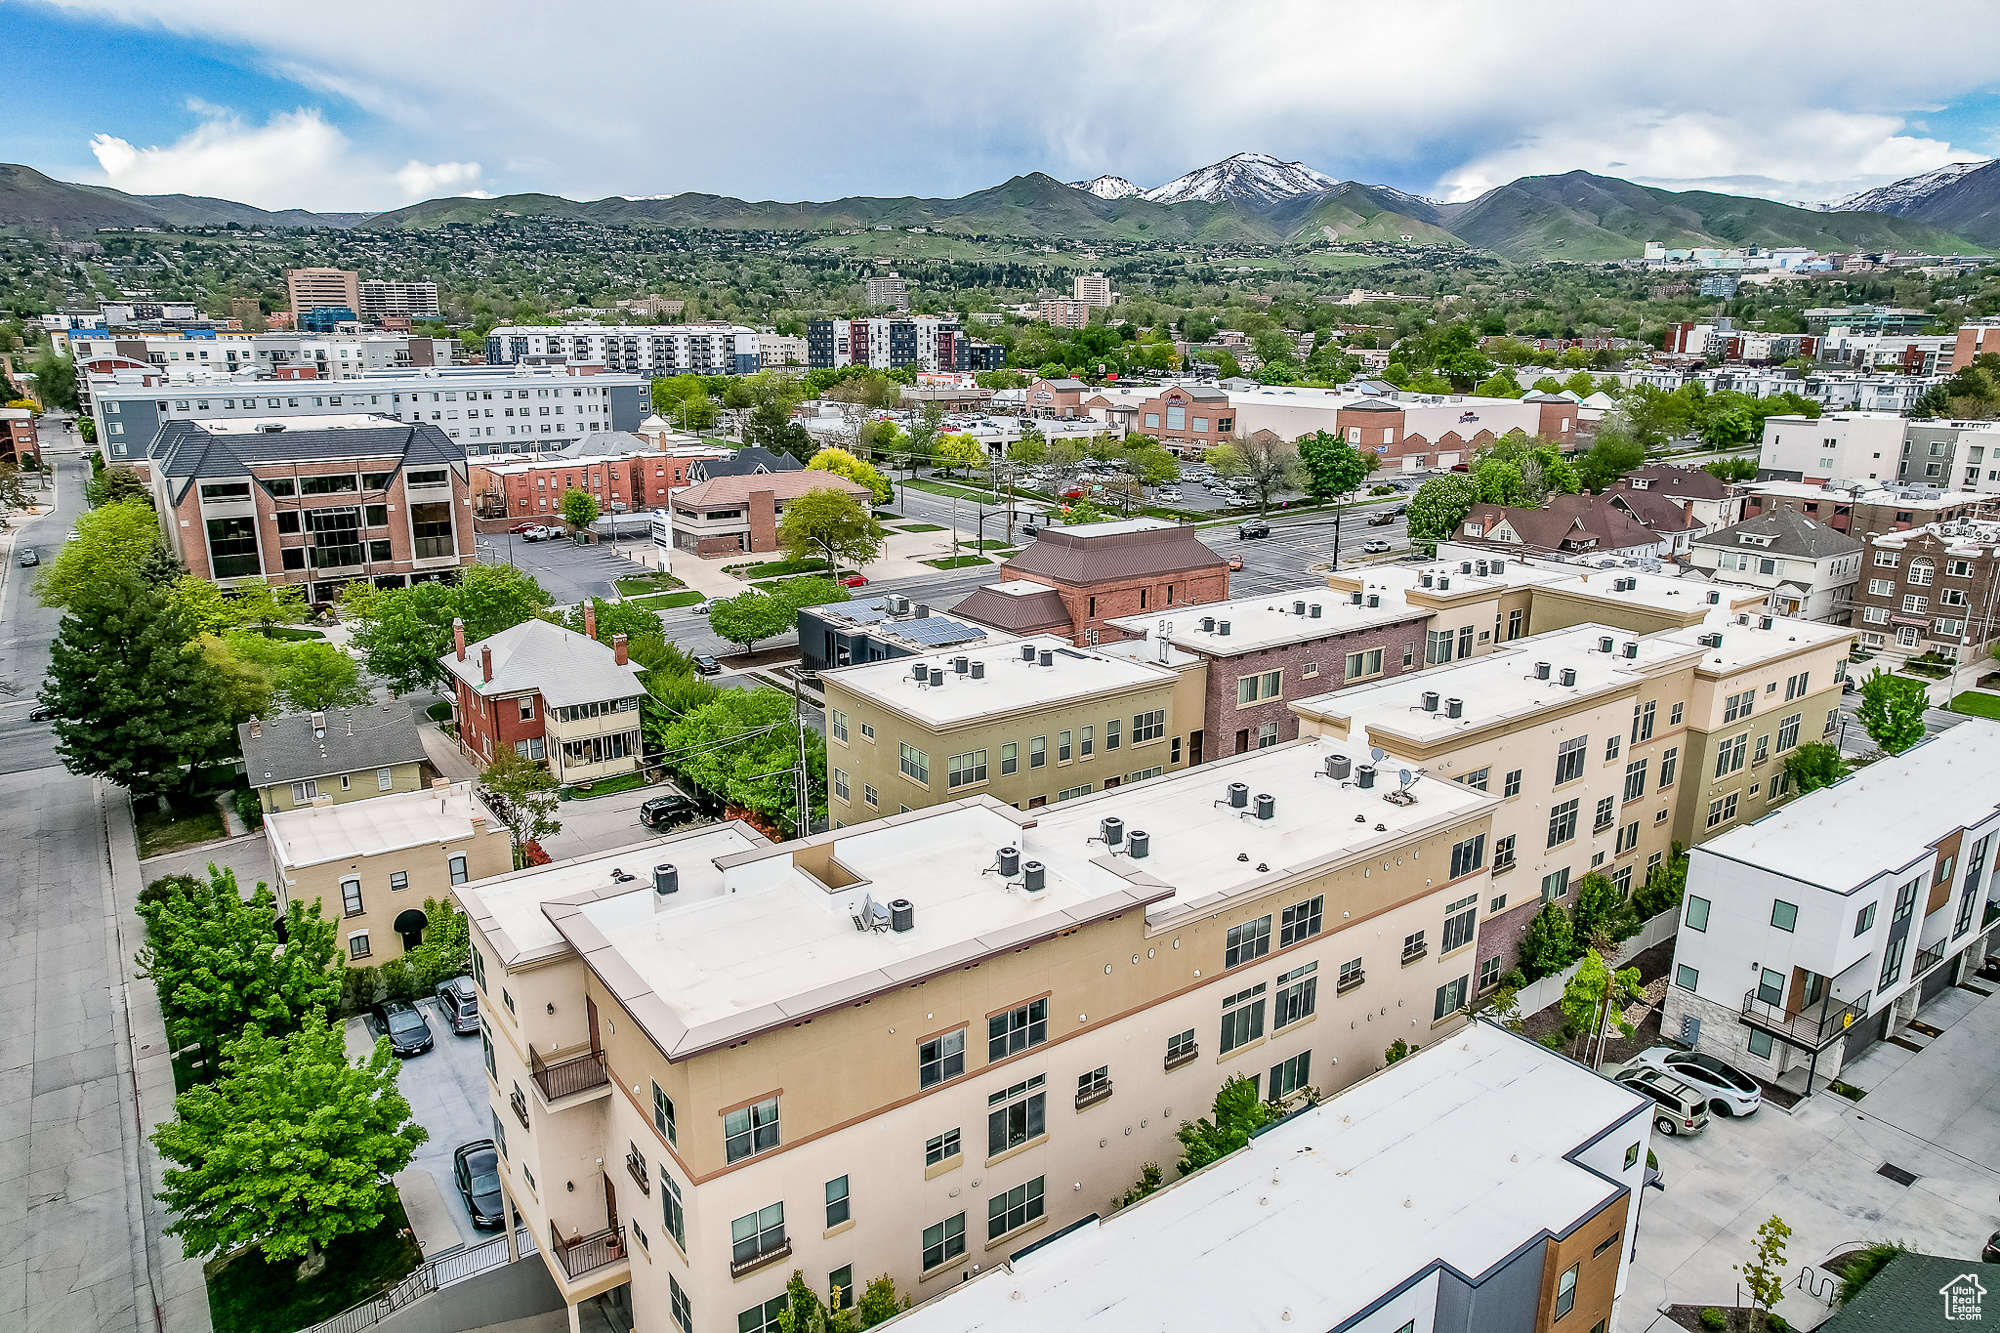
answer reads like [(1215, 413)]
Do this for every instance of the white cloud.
[(295, 160)]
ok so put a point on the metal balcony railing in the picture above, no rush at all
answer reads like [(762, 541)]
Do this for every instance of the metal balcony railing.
[(1349, 982), (1185, 1055), (636, 1164), (586, 1254), (1927, 959), (566, 1077), (1093, 1094), (1813, 1029)]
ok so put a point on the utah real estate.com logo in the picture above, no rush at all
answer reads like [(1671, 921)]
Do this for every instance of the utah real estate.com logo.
[(1962, 1297)]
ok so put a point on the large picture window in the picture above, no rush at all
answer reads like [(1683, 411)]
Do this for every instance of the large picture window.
[(335, 536), (430, 527), (232, 548)]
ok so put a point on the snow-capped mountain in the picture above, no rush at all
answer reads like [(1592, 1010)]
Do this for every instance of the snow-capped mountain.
[(1903, 196), (1256, 179), (1108, 187)]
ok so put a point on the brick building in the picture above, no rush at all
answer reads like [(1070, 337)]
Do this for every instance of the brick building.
[(1446, 432), (1863, 513), (317, 504), (17, 434), (730, 515), (549, 694), (1057, 398), (1930, 590), (1186, 417), (1073, 581), (623, 472)]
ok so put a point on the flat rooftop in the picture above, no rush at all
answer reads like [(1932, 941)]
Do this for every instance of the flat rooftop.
[(1455, 1156), (318, 421), (1116, 526), (1877, 820), (1499, 686), (754, 939), (1657, 592), (1268, 621), (322, 833), (1008, 683), (1745, 641)]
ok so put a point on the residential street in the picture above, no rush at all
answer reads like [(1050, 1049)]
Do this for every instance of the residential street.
[(73, 1241)]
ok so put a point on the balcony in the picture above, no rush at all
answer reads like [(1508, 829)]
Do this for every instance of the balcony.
[(1092, 1095), (1927, 959), (753, 1259), (1414, 952), (581, 1255), (520, 1105), (566, 1078), (1813, 1029)]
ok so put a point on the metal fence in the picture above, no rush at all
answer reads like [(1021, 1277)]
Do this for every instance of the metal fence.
[(428, 1277), (1539, 995)]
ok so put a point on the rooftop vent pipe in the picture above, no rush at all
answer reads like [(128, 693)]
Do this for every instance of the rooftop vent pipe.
[(1454, 708)]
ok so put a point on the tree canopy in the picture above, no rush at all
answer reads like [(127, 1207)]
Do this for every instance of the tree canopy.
[(403, 632), (831, 523), (579, 509), (1892, 710), (111, 540), (1332, 466), (845, 464), (1438, 507), (741, 744), (1236, 1113)]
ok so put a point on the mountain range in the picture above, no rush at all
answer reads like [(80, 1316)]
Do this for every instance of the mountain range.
[(1246, 199)]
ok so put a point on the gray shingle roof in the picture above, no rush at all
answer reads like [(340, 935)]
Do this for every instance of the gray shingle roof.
[(184, 451), (1791, 534), (352, 741), (1907, 1296), (562, 665), (751, 459)]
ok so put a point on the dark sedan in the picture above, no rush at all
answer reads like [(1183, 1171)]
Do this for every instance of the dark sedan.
[(476, 1168), (408, 1033)]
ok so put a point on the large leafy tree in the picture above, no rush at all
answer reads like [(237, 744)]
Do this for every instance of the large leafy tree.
[(1603, 916), (1611, 456), (522, 791), (134, 698), (843, 463), (1548, 944), (1237, 1112), (1892, 710), (751, 616), (1438, 507), (956, 452), (112, 540), (579, 509), (403, 632), (1814, 765), (223, 965), (290, 1149), (741, 744), (1264, 463), (1332, 466), (613, 619), (830, 523)]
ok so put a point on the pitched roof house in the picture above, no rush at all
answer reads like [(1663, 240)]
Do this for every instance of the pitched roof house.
[(551, 694), (1565, 525), (344, 753), (1809, 570)]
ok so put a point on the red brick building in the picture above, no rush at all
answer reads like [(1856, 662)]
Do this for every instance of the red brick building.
[(549, 694), (1097, 571), (730, 515), (1444, 432), (1186, 417), (17, 434)]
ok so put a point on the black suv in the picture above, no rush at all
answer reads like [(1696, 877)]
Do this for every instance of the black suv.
[(666, 811), (458, 1005), (404, 1023), (1245, 531)]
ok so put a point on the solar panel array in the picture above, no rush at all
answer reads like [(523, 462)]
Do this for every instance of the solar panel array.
[(937, 631)]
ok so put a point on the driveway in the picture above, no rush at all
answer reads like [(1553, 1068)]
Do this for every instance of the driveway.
[(1934, 1113)]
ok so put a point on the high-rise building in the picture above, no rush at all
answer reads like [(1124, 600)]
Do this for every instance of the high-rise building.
[(312, 289), (891, 290), (416, 299), (1065, 313), (886, 342), (1093, 289), (654, 350)]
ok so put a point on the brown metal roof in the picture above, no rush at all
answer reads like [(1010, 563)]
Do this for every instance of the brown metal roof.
[(1030, 614), (782, 485), (1081, 560)]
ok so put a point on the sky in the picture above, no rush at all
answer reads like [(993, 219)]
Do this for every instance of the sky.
[(364, 106)]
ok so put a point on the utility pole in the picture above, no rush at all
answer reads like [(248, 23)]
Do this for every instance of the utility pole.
[(801, 786)]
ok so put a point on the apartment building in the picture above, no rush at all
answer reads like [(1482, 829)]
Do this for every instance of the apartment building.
[(889, 289), (310, 289), (345, 754), (17, 435), (1092, 289), (927, 342), (381, 299), (317, 504), (730, 515), (1864, 511), (652, 350), (975, 968), (1029, 721), (371, 864), (1450, 1207), (1806, 568), (1931, 589), (1258, 653), (1065, 313), (1974, 338), (1073, 581), (1850, 447), (329, 355), (841, 634), (1801, 942), (776, 352), (552, 694), (622, 472)]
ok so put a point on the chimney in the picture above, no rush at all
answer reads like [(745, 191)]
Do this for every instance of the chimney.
[(486, 662), (590, 620), (256, 727), (458, 636), (617, 643)]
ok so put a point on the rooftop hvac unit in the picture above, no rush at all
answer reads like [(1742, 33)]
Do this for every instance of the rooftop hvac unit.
[(1266, 805), (1498, 567), (1605, 644), (1430, 701), (1338, 766), (1454, 708), (937, 676), (978, 671), (1032, 873), (1315, 611), (1139, 845), (1298, 608), (920, 673), (902, 915), (1444, 583), (1374, 599), (1047, 658), (1010, 862), (1568, 676), (1239, 796), (1465, 566), (1112, 830), (1541, 671), (1208, 624), (1427, 580), (1222, 627), (1354, 598), (1631, 648), (666, 880), (1027, 652), (961, 665), (1364, 776)]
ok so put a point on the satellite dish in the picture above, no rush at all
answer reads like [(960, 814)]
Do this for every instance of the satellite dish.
[(1406, 777), (1377, 753)]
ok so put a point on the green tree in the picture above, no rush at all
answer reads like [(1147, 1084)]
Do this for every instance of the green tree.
[(579, 509), (833, 523), (842, 463), (959, 451), (1592, 1000), (403, 633), (261, 602), (615, 618), (1610, 457), (1603, 916), (55, 379), (214, 958), (1664, 884), (1500, 384), (751, 616), (446, 950), (1149, 463), (878, 1302), (110, 542), (742, 745), (1548, 944), (810, 590), (208, 608), (1738, 468), (117, 484), (247, 688), (522, 791), (1395, 1050), (134, 698), (1764, 1274), (1264, 463), (1237, 1112), (1030, 450), (290, 1149), (1892, 710), (1814, 765), (1332, 466), (1438, 507), (318, 676)]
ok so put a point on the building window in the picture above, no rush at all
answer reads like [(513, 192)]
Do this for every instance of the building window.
[(1555, 885), (916, 765), (1503, 854), (1242, 1018), (1289, 1076), (942, 1148), (1562, 823), (304, 791), (1297, 995), (1566, 1291), (1635, 779), (1247, 942), (754, 1235), (683, 1311), (1611, 744), (1015, 1115), (1017, 1029), (837, 1203), (673, 1214), (1606, 814), (941, 1058), (750, 1129), (1722, 811), (1489, 972), (1468, 856), (1459, 921), (1784, 915), (1788, 732), (1094, 1086), (1669, 761), (1674, 718), (1038, 752), (870, 795), (1642, 720), (1697, 913), (357, 944), (232, 548), (350, 897), (1686, 977), (965, 770), (1250, 689), (1009, 758), (840, 786), (1300, 921), (1450, 998), (1569, 759), (384, 779), (1512, 785), (1477, 779), (456, 866), (1086, 742), (1730, 754), (944, 1242), (1111, 733), (838, 722), (1367, 663), (663, 1113), (1014, 1209), (1145, 727), (1071, 793)]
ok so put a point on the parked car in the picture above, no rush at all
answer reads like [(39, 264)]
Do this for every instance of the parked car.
[(1990, 1254), (523, 529), (476, 1168), (1235, 562), (41, 713), (1683, 1109), (532, 532), (854, 580), (1375, 547), (458, 1005), (1248, 531), (408, 1033), (665, 811), (28, 557), (707, 665), (1730, 1090)]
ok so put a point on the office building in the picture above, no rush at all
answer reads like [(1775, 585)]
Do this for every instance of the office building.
[(889, 290), (624, 473), (1836, 447), (647, 1012), (1484, 1184), (653, 350), (311, 289), (1072, 581), (841, 634), (318, 504), (551, 695), (734, 514), (381, 299), (1813, 933), (1093, 289)]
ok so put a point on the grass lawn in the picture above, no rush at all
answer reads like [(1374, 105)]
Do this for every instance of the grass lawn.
[(638, 585), (194, 820), (247, 1295), (439, 711), (957, 492), (662, 600), (287, 633), (771, 569), (1974, 704), (921, 527), (604, 787), (958, 562), (990, 544), (772, 585)]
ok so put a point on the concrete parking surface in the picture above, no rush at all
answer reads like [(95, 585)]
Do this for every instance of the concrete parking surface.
[(1934, 1112)]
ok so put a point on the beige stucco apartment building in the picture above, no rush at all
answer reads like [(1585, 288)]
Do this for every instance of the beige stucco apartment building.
[(916, 1046), (371, 864)]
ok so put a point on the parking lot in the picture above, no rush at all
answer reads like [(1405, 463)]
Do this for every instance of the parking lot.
[(569, 572)]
